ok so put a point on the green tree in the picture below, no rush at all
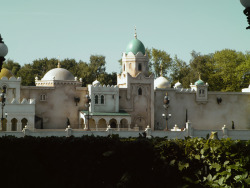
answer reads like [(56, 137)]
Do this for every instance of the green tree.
[(161, 62), (14, 67), (180, 72)]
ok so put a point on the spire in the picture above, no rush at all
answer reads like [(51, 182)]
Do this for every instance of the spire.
[(199, 75), (135, 33), (58, 65)]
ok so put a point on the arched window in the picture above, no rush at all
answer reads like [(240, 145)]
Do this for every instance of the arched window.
[(102, 99), (24, 122), (139, 67), (96, 99), (43, 97), (124, 67), (139, 91), (14, 124)]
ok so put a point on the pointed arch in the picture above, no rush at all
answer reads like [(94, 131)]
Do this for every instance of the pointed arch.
[(139, 91), (102, 99), (14, 124), (96, 99), (24, 123)]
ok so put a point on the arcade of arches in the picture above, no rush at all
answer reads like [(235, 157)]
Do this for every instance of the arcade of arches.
[(99, 123), (13, 124)]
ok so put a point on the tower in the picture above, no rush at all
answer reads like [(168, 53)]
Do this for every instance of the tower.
[(136, 86)]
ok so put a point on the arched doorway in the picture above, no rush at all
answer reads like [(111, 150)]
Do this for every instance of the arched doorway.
[(14, 124), (24, 123), (92, 124), (124, 123), (102, 123), (113, 123)]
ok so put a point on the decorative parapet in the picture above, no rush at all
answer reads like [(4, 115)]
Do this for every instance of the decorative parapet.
[(52, 83), (24, 101)]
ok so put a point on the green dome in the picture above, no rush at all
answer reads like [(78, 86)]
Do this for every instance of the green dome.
[(199, 82), (135, 46)]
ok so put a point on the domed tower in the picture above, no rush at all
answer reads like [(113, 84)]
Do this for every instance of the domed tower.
[(201, 88), (136, 86), (135, 59)]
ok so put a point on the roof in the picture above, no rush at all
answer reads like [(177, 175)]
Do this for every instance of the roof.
[(58, 74), (120, 113), (135, 46)]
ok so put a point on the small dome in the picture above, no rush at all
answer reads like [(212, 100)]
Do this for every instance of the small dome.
[(6, 73), (96, 83), (178, 85), (162, 83), (58, 74), (199, 82), (135, 46)]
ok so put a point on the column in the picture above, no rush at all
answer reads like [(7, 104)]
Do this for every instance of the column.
[(19, 126), (8, 126), (118, 127)]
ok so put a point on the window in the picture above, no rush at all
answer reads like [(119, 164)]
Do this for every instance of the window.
[(43, 97), (102, 99), (139, 91), (96, 99), (124, 67), (139, 67), (202, 92)]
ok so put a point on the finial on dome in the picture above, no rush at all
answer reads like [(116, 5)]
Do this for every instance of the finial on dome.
[(58, 65), (135, 33), (199, 75)]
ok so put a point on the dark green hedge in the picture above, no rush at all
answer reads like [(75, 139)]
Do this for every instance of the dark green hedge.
[(114, 162)]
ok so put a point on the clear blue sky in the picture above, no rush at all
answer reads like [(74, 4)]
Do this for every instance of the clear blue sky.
[(34, 29)]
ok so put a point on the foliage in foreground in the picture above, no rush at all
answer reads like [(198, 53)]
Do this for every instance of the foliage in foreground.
[(117, 162)]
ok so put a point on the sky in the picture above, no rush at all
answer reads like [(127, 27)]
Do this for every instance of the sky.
[(35, 29)]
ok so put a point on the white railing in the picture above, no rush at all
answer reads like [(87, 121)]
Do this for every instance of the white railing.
[(124, 132)]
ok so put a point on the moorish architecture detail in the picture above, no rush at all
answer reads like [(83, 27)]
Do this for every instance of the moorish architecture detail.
[(58, 100)]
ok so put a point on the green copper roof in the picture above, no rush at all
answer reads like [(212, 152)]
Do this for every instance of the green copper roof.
[(199, 82), (120, 113), (135, 46)]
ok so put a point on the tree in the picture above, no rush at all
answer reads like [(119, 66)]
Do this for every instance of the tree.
[(229, 69), (14, 67), (180, 72), (161, 62)]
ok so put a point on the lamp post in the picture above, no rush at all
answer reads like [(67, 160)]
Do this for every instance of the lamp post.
[(166, 116), (2, 97), (3, 51), (246, 4), (88, 100)]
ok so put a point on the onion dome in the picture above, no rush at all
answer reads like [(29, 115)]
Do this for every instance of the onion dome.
[(178, 85), (96, 83), (6, 73), (58, 74), (199, 82), (135, 46), (162, 83)]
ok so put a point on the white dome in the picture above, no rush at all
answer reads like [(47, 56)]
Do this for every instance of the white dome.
[(162, 83), (96, 83), (58, 74), (178, 85)]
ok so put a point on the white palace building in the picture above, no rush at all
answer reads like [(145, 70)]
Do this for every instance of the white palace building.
[(58, 106)]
